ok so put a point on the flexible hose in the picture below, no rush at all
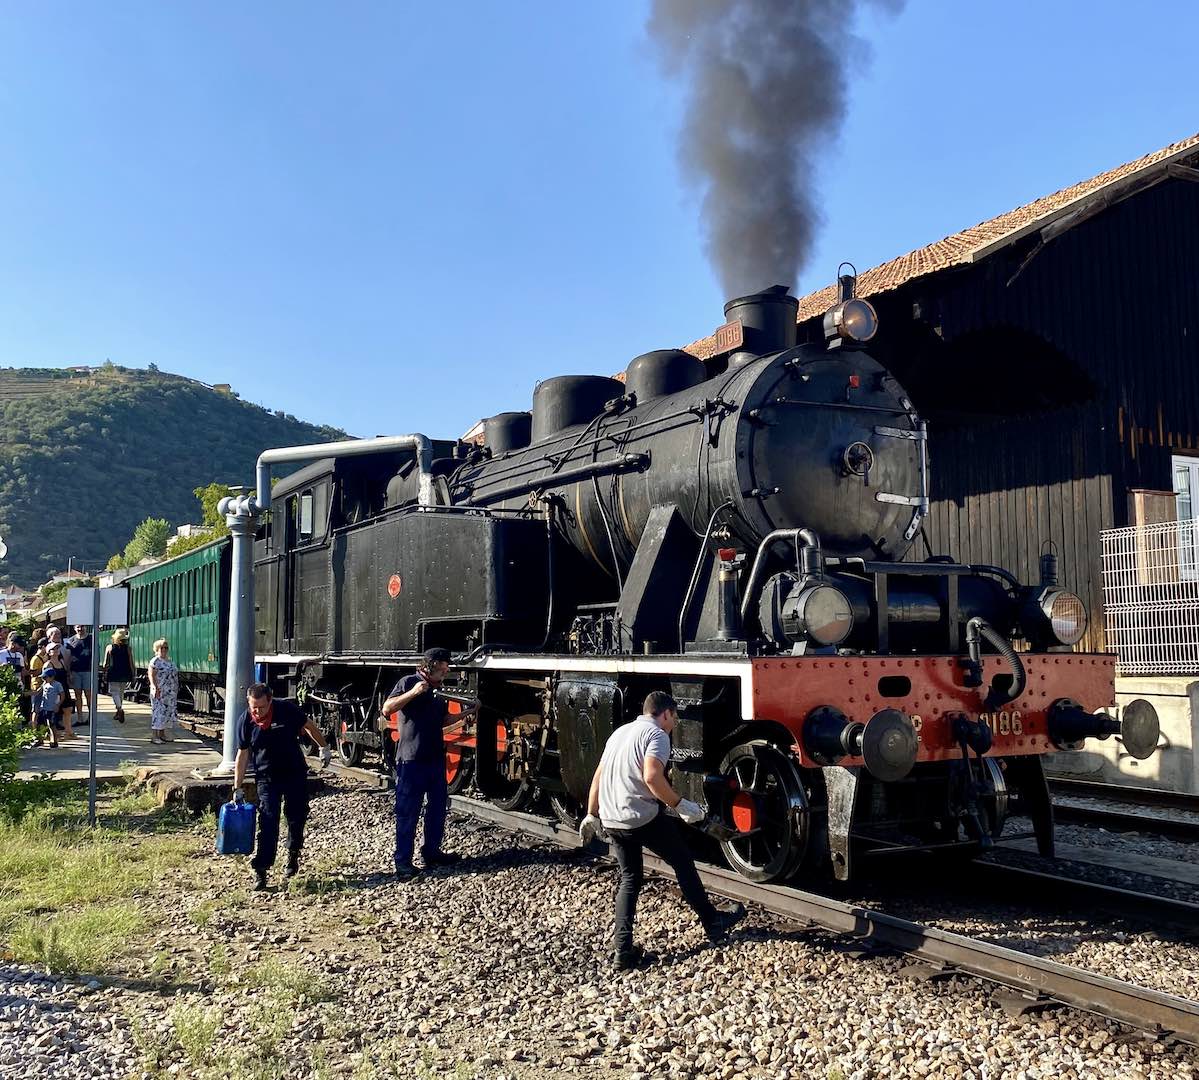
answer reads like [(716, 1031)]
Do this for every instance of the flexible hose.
[(979, 627)]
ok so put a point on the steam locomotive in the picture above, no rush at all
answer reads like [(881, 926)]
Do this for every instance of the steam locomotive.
[(737, 531)]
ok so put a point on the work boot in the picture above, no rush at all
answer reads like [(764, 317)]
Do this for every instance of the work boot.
[(119, 717), (293, 865), (406, 872), (631, 959), (726, 918), (259, 880), (442, 858)]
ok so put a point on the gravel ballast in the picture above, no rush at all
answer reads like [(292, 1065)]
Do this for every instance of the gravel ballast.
[(499, 968)]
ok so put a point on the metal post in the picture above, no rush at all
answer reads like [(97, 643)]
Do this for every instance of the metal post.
[(239, 651), (91, 704)]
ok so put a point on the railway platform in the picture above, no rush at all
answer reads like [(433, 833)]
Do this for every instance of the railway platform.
[(118, 745)]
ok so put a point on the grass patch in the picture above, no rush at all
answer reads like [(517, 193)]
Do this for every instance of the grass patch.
[(288, 985), (219, 964), (196, 1031), (64, 885), (77, 941)]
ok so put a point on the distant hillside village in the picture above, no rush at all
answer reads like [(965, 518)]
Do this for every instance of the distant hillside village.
[(17, 383), (17, 601)]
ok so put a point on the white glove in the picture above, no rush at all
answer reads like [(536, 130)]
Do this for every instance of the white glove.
[(690, 812), (589, 827), (326, 755)]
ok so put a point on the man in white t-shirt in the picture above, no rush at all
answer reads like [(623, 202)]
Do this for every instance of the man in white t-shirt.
[(627, 794)]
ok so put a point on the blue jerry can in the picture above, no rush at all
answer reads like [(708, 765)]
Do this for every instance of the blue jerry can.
[(235, 829)]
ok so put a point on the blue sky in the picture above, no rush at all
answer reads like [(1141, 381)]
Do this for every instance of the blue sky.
[(394, 217)]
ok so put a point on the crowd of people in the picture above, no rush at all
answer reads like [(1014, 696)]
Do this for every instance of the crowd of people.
[(55, 682)]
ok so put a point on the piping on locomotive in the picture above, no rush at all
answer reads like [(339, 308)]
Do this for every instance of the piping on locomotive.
[(734, 531)]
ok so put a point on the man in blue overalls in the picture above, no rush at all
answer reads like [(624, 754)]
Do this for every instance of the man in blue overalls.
[(270, 731), (420, 762)]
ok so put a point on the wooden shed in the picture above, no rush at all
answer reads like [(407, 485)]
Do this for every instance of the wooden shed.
[(1054, 351)]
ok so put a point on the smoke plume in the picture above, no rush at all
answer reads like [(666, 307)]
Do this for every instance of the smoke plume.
[(767, 81)]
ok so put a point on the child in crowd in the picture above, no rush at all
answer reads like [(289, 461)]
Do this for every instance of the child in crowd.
[(36, 662), (47, 701)]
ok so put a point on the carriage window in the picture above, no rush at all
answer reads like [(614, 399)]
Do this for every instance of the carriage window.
[(306, 516)]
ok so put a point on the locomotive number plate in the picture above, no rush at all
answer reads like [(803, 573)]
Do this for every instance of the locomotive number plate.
[(730, 336), (1004, 722)]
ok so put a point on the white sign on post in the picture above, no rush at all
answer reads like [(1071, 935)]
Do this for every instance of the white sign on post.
[(95, 608), (114, 606)]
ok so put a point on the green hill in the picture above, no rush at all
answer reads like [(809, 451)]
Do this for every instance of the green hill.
[(86, 454)]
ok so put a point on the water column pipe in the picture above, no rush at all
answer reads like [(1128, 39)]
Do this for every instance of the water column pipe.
[(241, 515)]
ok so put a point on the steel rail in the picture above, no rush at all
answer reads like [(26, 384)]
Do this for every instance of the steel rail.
[(1048, 982), (1126, 821), (1136, 796), (1154, 908)]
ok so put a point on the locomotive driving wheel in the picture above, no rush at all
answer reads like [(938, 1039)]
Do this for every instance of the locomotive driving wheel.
[(766, 804), (567, 808), (511, 789), (348, 751), (459, 752)]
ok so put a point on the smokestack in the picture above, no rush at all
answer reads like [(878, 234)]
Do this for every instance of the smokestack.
[(767, 81), (768, 319)]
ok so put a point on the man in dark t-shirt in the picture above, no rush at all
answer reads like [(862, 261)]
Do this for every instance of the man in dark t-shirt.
[(268, 733), (420, 762)]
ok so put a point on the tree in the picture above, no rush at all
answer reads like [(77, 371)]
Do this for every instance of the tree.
[(210, 497), (117, 562), (56, 592), (149, 541)]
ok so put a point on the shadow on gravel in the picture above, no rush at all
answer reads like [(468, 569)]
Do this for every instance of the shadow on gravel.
[(514, 858), (161, 987)]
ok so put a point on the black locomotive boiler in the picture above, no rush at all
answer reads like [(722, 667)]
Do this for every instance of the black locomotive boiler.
[(737, 531)]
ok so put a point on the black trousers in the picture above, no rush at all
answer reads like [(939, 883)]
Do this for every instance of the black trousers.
[(285, 797), (661, 836)]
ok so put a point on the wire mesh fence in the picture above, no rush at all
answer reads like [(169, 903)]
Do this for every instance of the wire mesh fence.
[(1151, 597)]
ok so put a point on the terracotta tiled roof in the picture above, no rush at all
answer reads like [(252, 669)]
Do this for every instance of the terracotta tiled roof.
[(981, 240)]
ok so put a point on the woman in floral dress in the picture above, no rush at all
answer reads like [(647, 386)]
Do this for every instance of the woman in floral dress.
[(164, 693)]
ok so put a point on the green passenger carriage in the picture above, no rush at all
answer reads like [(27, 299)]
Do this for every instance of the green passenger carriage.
[(185, 600)]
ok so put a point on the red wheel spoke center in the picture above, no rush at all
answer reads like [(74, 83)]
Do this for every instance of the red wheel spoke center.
[(745, 812)]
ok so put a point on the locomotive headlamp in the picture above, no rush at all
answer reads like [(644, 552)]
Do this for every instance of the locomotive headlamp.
[(820, 612), (852, 321), (1062, 614)]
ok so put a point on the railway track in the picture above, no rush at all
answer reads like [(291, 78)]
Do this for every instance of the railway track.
[(1035, 981), (1134, 810)]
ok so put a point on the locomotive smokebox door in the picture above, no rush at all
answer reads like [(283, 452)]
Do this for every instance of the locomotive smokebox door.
[(586, 709)]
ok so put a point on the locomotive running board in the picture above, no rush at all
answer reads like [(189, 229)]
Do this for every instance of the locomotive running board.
[(1162, 1015)]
